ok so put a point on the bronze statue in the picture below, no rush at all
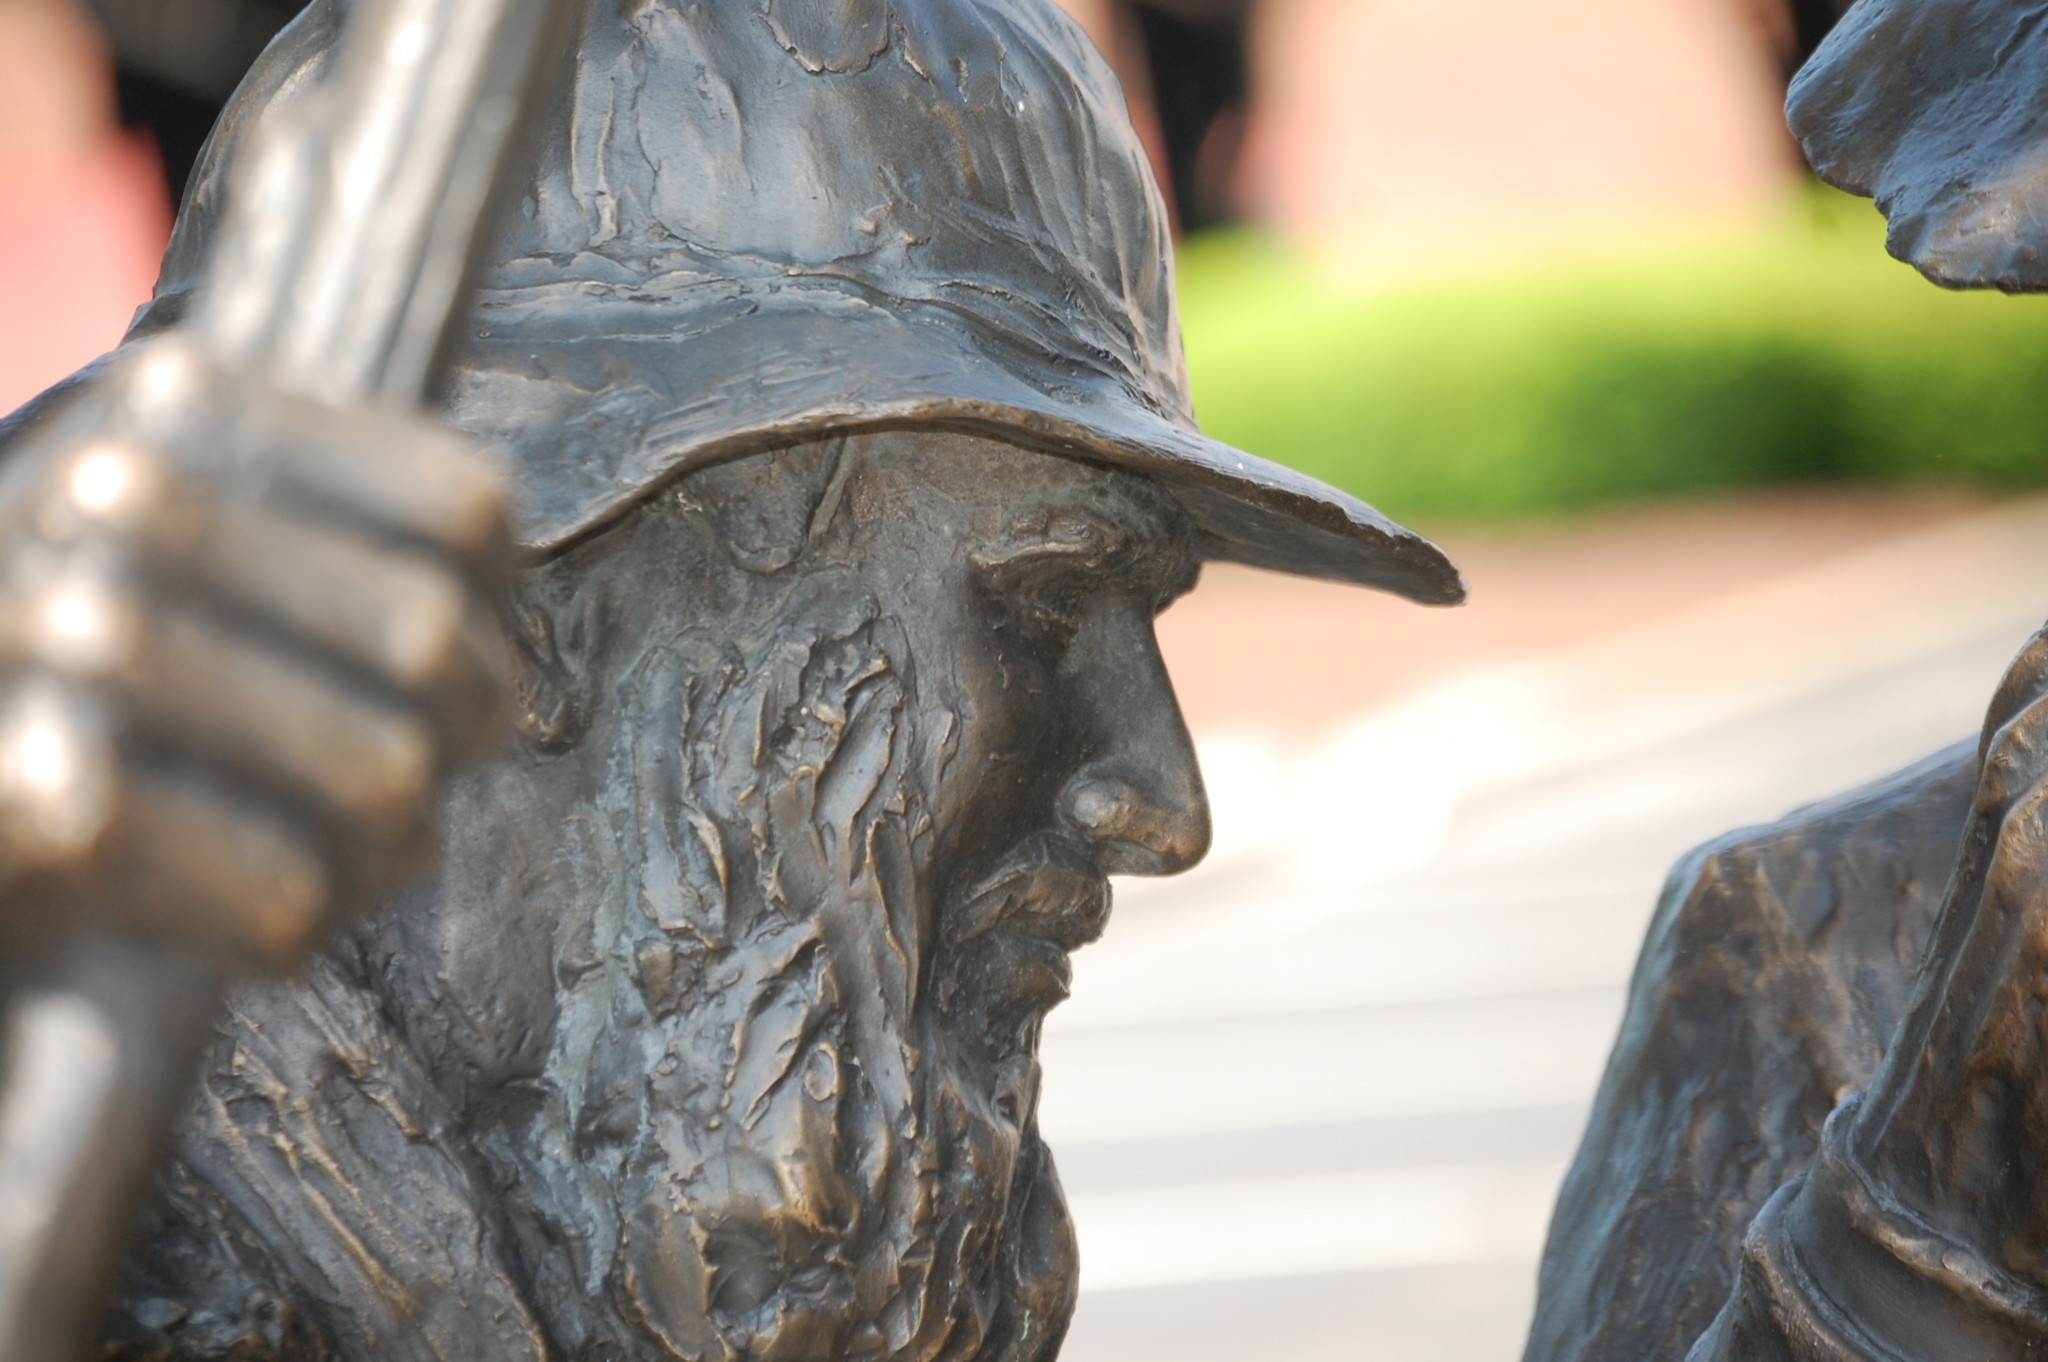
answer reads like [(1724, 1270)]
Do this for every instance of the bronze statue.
[(1821, 1135), (832, 348)]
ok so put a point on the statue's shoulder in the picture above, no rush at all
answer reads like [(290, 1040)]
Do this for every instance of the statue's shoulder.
[(1778, 961), (325, 1201), (1848, 886)]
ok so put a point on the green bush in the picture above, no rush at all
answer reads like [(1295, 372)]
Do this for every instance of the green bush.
[(1798, 352)]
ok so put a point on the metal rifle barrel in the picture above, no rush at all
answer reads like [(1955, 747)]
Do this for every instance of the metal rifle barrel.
[(341, 262)]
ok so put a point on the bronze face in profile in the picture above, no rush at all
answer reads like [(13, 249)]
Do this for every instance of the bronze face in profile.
[(833, 350), (859, 729)]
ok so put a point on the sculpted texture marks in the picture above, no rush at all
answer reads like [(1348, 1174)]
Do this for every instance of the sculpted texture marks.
[(733, 983), (831, 349)]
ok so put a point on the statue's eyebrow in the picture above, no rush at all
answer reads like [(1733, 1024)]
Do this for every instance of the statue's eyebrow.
[(1083, 536)]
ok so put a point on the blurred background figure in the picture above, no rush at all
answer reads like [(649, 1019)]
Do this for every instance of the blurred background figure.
[(102, 113), (1185, 73), (1413, 125), (83, 214)]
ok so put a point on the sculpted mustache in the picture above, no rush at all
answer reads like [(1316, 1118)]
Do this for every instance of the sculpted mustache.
[(1045, 887)]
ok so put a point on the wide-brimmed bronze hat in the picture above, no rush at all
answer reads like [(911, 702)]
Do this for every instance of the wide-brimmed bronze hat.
[(755, 221), (1938, 109)]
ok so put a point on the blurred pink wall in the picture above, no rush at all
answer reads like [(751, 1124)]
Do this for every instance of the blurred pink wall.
[(83, 216), (1428, 124)]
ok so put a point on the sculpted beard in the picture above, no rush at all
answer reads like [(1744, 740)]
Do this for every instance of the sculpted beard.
[(800, 1091)]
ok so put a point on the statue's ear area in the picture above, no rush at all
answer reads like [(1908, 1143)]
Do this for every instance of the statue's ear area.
[(767, 510), (761, 513), (1938, 109), (554, 630)]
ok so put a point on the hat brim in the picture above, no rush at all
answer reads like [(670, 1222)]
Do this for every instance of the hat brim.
[(1938, 109), (603, 394)]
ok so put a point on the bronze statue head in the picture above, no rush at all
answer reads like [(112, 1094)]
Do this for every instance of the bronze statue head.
[(834, 751), (834, 354)]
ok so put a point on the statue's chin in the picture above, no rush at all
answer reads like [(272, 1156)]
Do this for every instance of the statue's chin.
[(960, 1247), (1045, 1279)]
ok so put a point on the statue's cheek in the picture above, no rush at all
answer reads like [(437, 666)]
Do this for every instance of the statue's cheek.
[(666, 1280), (796, 1134)]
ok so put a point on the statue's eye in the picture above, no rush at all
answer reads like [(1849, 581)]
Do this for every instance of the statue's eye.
[(1040, 603), (1040, 583), (1057, 616)]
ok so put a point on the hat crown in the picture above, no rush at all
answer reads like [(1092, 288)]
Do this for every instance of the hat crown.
[(963, 154), (753, 222), (973, 155)]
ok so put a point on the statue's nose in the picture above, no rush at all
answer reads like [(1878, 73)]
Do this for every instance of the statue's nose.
[(1136, 831), (1138, 802)]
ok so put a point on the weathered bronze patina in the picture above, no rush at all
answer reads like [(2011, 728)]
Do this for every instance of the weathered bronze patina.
[(833, 351)]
